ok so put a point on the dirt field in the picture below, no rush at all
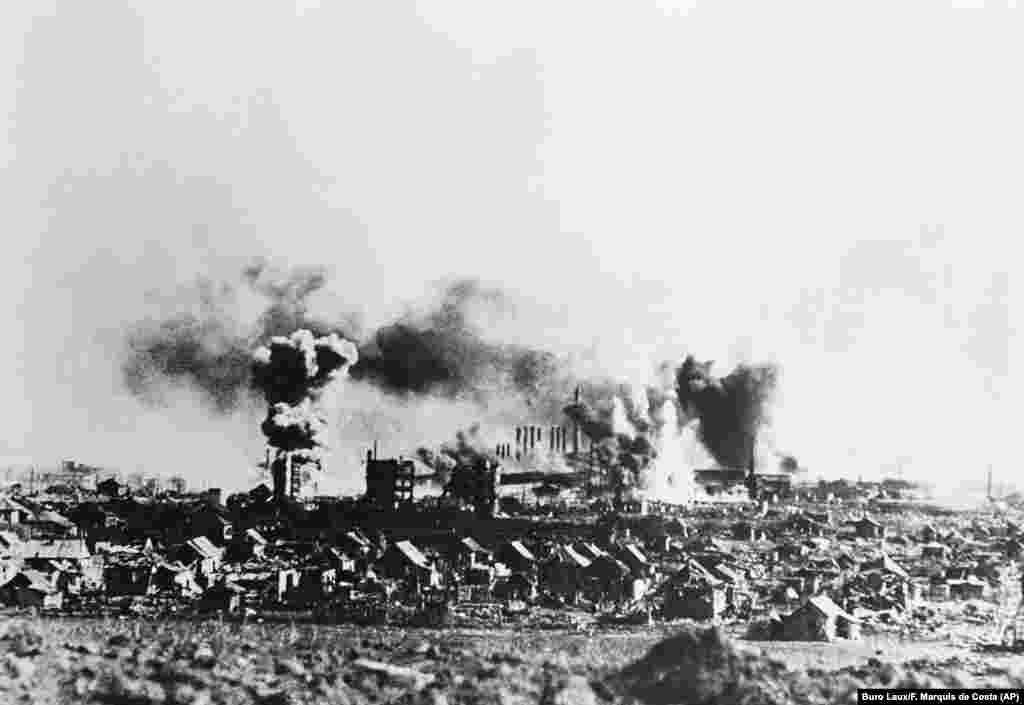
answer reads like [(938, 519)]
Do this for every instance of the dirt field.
[(138, 662)]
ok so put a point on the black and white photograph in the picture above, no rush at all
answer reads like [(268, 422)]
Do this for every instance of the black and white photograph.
[(447, 352)]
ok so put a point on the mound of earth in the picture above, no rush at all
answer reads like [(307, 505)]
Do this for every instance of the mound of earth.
[(702, 667)]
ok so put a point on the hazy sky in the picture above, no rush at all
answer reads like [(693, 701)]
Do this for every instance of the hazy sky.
[(834, 189)]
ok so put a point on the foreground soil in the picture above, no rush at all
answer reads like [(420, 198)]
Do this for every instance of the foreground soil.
[(138, 662)]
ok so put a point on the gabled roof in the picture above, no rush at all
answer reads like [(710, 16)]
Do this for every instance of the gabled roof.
[(204, 547), (357, 538), (37, 580), (727, 573), (695, 571), (409, 550), (70, 549), (8, 504), (635, 552), (522, 550), (256, 537), (614, 563), (888, 565), (567, 554), (588, 549), (825, 605), (470, 543), (52, 517)]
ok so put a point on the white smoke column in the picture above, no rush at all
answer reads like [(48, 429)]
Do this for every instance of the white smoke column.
[(620, 420), (641, 403), (679, 454)]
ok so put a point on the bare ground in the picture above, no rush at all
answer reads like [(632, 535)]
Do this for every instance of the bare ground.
[(140, 662)]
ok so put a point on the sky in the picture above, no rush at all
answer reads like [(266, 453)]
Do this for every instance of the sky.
[(832, 189)]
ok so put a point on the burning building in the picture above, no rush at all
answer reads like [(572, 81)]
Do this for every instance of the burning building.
[(389, 482)]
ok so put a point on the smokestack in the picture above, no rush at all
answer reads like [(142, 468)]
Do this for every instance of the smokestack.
[(576, 426), (519, 436)]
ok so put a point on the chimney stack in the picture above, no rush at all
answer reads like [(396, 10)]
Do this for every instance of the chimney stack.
[(576, 427)]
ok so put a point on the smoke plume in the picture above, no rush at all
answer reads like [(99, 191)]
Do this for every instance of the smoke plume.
[(207, 343), (731, 409), (292, 372), (443, 352)]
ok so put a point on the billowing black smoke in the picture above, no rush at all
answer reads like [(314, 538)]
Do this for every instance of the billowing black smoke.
[(444, 353), (621, 431), (292, 372), (202, 349), (209, 347), (439, 353), (788, 463), (287, 295), (731, 409), (469, 449)]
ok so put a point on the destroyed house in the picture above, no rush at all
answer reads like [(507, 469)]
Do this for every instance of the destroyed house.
[(73, 550), (935, 551), (128, 577), (587, 550), (467, 554), (201, 553), (867, 528), (886, 565), (249, 544), (404, 561), (819, 619), (745, 531), (31, 588), (222, 597), (634, 558), (207, 521), (341, 562), (516, 557), (971, 588), (607, 578), (563, 572), (806, 526), (693, 593), (355, 544), (13, 512), (10, 545)]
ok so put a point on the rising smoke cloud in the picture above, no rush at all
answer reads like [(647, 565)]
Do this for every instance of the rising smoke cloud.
[(293, 372), (437, 355), (731, 409), (441, 352), (209, 346), (444, 352)]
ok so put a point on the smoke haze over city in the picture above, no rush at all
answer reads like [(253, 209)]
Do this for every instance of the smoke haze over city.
[(519, 198)]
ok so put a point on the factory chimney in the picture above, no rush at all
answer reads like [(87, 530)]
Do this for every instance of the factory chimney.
[(751, 476), (576, 426)]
